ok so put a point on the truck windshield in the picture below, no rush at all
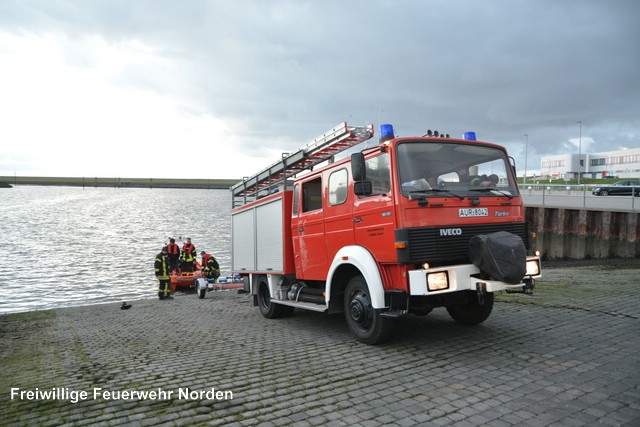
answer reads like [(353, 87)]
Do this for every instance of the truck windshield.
[(438, 168)]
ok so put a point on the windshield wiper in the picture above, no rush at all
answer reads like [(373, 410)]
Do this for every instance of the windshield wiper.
[(492, 189), (425, 193)]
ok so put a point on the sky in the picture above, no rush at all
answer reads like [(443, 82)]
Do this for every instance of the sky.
[(220, 88)]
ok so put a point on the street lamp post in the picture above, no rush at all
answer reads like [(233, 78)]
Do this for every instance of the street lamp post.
[(526, 149), (580, 152)]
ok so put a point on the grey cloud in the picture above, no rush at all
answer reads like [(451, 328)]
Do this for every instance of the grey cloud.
[(283, 71)]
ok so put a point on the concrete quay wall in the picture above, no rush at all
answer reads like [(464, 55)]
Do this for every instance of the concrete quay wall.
[(582, 233)]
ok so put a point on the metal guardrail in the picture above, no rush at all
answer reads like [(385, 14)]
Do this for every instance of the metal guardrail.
[(577, 197)]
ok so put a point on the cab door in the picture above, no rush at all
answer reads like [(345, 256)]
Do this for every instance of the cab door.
[(295, 234), (308, 232), (338, 211), (373, 214)]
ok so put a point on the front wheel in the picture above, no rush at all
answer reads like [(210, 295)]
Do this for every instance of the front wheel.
[(604, 193), (472, 312), (363, 320)]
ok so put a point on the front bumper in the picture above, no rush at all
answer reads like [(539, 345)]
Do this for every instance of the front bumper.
[(454, 278)]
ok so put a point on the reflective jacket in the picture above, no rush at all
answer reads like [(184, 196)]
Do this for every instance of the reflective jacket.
[(161, 266), (188, 253), (210, 265), (173, 249)]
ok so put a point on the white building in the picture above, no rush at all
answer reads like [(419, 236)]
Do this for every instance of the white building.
[(619, 163)]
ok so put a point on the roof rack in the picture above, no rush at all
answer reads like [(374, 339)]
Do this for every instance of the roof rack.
[(323, 148)]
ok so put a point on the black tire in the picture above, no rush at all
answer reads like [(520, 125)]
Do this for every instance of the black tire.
[(202, 293), (604, 193), (472, 312), (363, 320), (267, 308), (286, 310)]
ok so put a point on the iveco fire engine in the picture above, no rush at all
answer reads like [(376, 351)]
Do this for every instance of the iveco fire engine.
[(402, 225)]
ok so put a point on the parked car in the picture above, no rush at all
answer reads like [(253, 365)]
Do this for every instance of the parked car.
[(620, 188)]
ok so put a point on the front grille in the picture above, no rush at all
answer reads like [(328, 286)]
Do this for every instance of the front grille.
[(449, 245)]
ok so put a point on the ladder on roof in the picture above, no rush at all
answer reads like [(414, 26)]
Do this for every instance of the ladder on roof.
[(323, 148)]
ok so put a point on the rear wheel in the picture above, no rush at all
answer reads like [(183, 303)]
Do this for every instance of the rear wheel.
[(269, 309), (472, 312), (363, 320)]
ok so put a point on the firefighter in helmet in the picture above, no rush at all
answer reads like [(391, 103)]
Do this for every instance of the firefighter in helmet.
[(188, 256), (210, 266), (162, 269), (174, 254)]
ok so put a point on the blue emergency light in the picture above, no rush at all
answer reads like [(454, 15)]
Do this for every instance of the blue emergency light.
[(386, 132), (471, 136)]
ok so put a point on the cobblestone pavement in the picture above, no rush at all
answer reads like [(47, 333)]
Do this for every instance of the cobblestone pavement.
[(568, 356)]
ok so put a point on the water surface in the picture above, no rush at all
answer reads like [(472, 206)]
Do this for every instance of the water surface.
[(67, 246)]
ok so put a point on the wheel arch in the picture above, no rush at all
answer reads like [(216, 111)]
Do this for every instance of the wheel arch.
[(349, 262)]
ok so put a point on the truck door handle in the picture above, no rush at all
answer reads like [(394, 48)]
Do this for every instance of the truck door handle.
[(300, 229), (357, 219)]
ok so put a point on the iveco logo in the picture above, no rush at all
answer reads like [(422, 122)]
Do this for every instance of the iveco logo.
[(451, 231)]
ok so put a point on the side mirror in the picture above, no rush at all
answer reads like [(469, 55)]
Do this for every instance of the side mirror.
[(358, 169), (512, 162), (362, 188)]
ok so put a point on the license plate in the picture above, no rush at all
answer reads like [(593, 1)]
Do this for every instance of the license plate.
[(467, 212)]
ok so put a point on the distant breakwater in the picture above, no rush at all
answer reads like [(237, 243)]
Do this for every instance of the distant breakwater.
[(206, 184)]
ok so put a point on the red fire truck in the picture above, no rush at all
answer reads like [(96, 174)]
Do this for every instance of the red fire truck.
[(402, 225)]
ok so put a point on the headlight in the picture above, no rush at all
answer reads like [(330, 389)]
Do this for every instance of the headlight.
[(533, 268), (437, 281)]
